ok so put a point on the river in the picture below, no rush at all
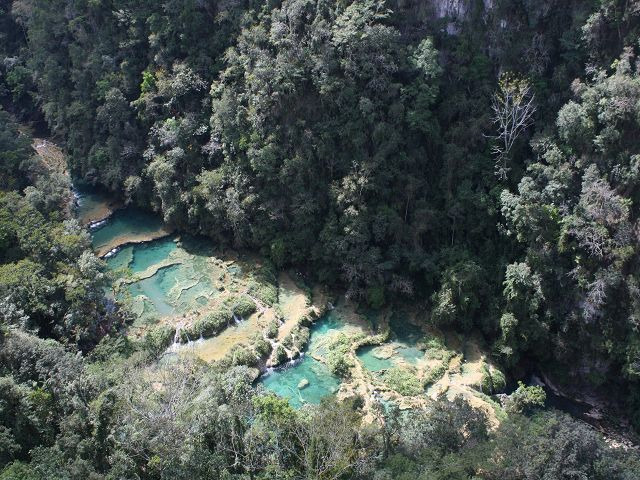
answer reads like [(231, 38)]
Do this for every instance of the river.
[(170, 279)]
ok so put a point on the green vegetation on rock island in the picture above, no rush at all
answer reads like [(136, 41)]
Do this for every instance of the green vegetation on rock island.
[(319, 239)]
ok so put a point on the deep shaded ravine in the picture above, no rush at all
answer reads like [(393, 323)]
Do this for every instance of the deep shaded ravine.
[(175, 276)]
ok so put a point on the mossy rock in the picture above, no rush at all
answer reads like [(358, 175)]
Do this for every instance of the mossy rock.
[(493, 380), (304, 383), (280, 355), (241, 305)]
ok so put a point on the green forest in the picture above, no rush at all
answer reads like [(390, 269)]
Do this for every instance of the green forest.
[(475, 163)]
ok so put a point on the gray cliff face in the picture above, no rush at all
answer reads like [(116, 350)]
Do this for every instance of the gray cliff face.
[(454, 10), (451, 11), (450, 8)]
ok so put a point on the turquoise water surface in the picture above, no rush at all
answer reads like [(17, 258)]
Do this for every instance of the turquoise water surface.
[(285, 382), (370, 361), (90, 204), (156, 288), (322, 382), (410, 354), (148, 254), (122, 259), (404, 337), (184, 286), (125, 223)]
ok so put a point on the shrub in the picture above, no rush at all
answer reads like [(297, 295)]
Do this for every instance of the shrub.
[(241, 355), (272, 329), (301, 337), (263, 285), (278, 252), (486, 385), (261, 346), (525, 398), (436, 373), (375, 297), (280, 355), (297, 339), (337, 359), (111, 347), (339, 364), (403, 381), (436, 349), (158, 340), (212, 323), (499, 380), (242, 305)]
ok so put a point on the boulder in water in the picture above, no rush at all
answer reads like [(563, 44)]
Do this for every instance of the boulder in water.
[(383, 352), (304, 383)]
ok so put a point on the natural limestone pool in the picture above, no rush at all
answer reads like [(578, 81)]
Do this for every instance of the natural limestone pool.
[(168, 277), (174, 280), (154, 292), (401, 347), (374, 358), (159, 274), (127, 226), (92, 206), (290, 381)]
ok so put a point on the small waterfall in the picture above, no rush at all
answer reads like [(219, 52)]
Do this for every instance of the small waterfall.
[(291, 363), (284, 366), (98, 224), (111, 252), (176, 340)]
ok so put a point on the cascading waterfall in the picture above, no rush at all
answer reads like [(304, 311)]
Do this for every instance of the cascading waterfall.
[(98, 224), (111, 252), (175, 346), (284, 366)]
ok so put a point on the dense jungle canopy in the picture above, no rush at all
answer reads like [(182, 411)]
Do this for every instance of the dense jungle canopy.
[(476, 160)]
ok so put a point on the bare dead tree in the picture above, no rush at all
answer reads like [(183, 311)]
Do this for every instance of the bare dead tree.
[(513, 109)]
